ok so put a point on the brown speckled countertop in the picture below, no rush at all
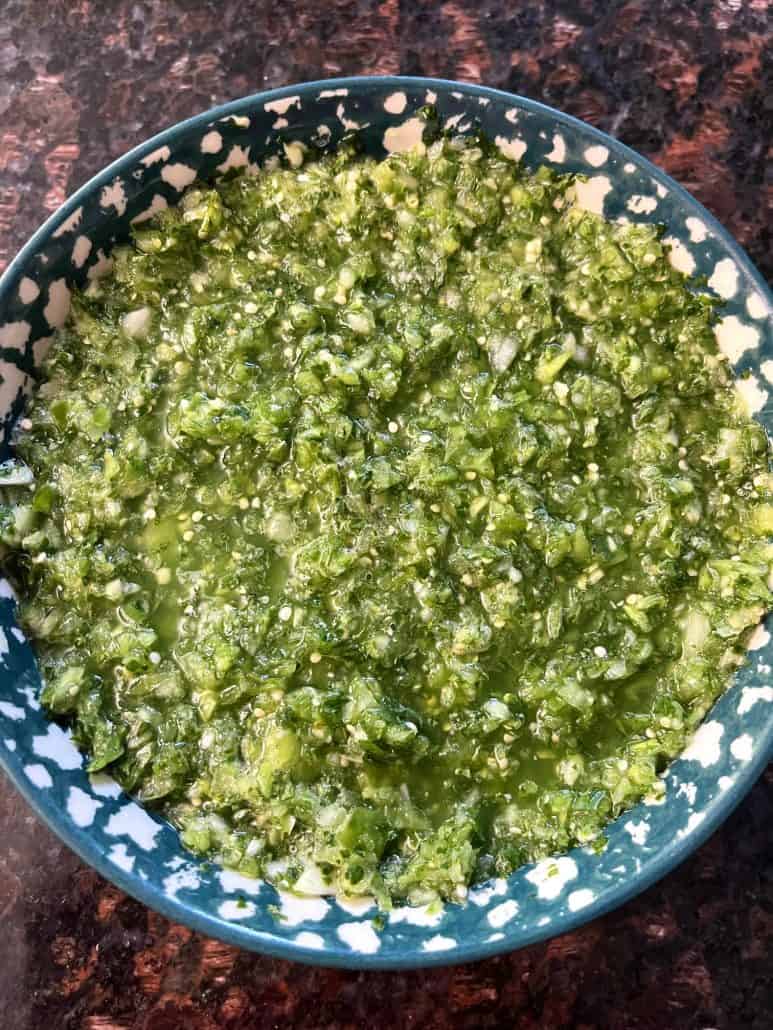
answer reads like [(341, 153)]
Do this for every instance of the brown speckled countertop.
[(686, 83)]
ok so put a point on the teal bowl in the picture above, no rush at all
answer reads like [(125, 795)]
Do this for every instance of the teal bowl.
[(131, 845)]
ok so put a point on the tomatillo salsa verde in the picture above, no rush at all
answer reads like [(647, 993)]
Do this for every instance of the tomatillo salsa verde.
[(393, 522)]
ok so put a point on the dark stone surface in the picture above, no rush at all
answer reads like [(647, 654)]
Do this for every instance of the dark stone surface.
[(686, 83)]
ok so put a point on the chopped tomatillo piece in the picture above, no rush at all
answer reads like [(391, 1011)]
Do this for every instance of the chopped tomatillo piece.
[(393, 523)]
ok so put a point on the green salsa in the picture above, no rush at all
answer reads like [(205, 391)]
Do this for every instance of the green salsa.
[(393, 523)]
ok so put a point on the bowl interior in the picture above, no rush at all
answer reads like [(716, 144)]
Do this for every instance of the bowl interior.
[(142, 853)]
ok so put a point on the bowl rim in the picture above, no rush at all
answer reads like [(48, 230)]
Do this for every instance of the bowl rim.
[(84, 843)]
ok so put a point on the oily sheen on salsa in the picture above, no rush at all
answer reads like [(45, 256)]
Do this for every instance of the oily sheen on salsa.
[(393, 523)]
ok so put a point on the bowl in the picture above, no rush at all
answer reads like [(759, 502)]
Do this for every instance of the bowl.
[(140, 852)]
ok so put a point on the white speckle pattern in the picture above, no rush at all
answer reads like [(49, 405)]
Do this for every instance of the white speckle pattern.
[(295, 908), (238, 157), (15, 334), (419, 915), (114, 195), (551, 875), (158, 203), (661, 190), (11, 711), (104, 785), (591, 194), (101, 266), (580, 899), (38, 775), (694, 821), (735, 338), (753, 395), (724, 278), (742, 747), (283, 105), (328, 94), (408, 136), (17, 634), (629, 168), (760, 638), (704, 746), (32, 699), (57, 747), (178, 175), (186, 878), (756, 306), (356, 906), (10, 744), (348, 123), (688, 790), (81, 251), (638, 831), (134, 822), (767, 370), (558, 153), (481, 896), (56, 311), (439, 943), (360, 937), (641, 205), (725, 782), (160, 154), (13, 380), (81, 807), (28, 290), (697, 230), (596, 156), (679, 256), (306, 939), (396, 103), (71, 222), (236, 910), (512, 148), (212, 142), (232, 882), (120, 856), (40, 348), (751, 695), (503, 913)]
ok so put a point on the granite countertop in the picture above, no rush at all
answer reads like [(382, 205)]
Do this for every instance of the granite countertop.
[(688, 84)]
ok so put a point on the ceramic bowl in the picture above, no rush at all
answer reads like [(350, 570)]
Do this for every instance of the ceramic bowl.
[(139, 851)]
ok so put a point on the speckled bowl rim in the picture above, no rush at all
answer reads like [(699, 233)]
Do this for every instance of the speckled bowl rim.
[(82, 841)]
